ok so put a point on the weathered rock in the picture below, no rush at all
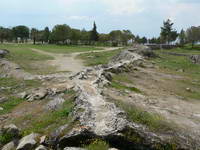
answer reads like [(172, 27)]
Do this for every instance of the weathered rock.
[(41, 147), (37, 94), (3, 53), (188, 89), (3, 99), (43, 139), (9, 146), (23, 95), (28, 142), (195, 59), (11, 130), (180, 70), (59, 131), (55, 103), (73, 148)]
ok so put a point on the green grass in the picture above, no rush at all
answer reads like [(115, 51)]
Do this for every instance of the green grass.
[(120, 86), (178, 62), (49, 121), (5, 138), (187, 49), (12, 88), (51, 48), (64, 48), (9, 105), (97, 145), (27, 59), (34, 62), (154, 122), (122, 77), (17, 85), (93, 59), (171, 64)]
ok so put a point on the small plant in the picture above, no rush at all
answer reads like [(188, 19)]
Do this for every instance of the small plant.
[(98, 144), (120, 86), (10, 104), (5, 138)]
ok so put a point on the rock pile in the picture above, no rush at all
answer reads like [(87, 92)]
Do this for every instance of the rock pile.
[(195, 59), (3, 53)]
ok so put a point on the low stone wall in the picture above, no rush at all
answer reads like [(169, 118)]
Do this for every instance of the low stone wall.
[(161, 46)]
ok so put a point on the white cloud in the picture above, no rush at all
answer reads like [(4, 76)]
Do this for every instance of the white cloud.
[(123, 7), (79, 18)]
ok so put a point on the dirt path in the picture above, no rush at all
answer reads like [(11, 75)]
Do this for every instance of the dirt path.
[(69, 62)]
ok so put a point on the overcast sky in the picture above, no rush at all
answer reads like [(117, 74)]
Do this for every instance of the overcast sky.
[(143, 17)]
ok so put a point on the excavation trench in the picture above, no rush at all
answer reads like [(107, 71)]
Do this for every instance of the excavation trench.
[(103, 120)]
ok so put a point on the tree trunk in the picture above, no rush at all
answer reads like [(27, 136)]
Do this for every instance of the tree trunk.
[(192, 44), (34, 41)]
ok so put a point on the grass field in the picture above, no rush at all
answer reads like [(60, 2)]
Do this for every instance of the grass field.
[(34, 62), (93, 59), (190, 71), (11, 87), (51, 48), (65, 49), (175, 63)]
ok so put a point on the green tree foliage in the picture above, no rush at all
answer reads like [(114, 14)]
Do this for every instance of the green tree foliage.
[(142, 40), (21, 32), (94, 36), (168, 34), (115, 37), (85, 37), (61, 33), (126, 36), (5, 34), (34, 35), (155, 40), (75, 36), (46, 34), (182, 37), (193, 35), (104, 38)]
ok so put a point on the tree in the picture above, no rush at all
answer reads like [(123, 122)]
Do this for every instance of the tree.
[(168, 34), (34, 35), (137, 39), (143, 40), (61, 33), (5, 34), (103, 38), (75, 36), (85, 37), (182, 37), (115, 37), (94, 34), (126, 36), (21, 32), (46, 34), (193, 35)]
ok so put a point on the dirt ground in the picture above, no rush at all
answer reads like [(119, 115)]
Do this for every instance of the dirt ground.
[(159, 96)]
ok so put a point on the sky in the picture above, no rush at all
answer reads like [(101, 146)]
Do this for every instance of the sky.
[(142, 17)]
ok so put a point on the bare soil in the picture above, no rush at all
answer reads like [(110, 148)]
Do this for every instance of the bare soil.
[(159, 97)]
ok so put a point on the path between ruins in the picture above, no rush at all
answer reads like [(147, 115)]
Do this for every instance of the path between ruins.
[(69, 62)]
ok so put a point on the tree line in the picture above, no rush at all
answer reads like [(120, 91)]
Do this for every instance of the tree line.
[(64, 34), (169, 34)]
